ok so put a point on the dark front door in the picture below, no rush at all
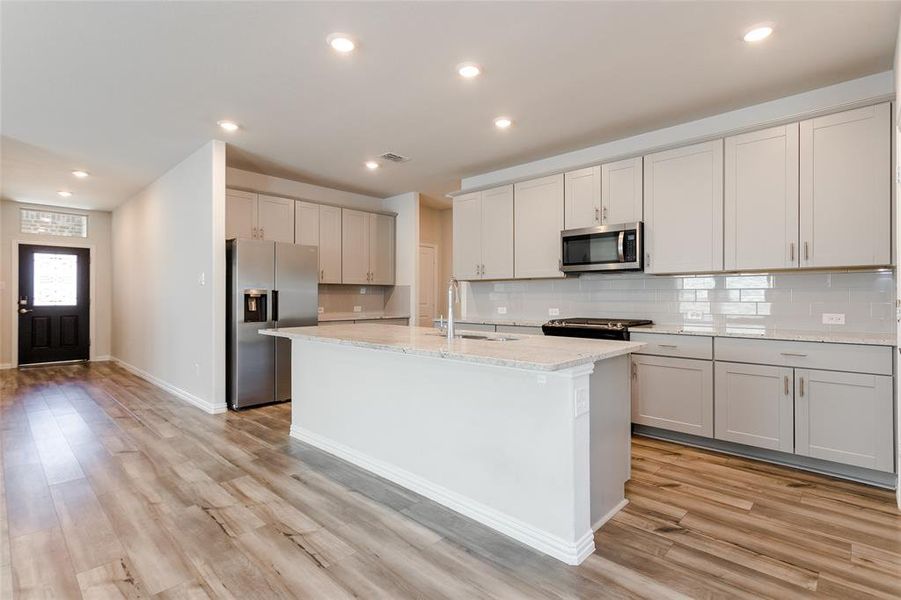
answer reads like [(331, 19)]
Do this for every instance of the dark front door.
[(54, 304)]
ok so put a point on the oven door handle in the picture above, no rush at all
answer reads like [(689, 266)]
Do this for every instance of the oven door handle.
[(619, 246)]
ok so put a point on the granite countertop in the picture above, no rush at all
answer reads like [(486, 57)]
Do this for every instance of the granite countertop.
[(484, 321), (358, 316), (533, 352), (832, 337)]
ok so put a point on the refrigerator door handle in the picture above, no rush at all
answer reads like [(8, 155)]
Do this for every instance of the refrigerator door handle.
[(275, 305)]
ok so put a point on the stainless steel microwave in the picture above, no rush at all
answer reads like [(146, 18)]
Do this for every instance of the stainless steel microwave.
[(602, 248)]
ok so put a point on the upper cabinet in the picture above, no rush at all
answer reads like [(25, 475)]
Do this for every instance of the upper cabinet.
[(381, 249), (275, 217), (367, 249), (604, 195), (306, 223), (582, 198), (621, 191), (258, 217), (845, 179), (240, 215), (761, 199), (329, 244), (483, 234), (538, 220), (684, 209)]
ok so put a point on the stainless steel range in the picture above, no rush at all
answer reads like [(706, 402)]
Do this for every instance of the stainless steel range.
[(601, 329)]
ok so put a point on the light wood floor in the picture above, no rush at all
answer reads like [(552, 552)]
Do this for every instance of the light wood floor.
[(112, 488)]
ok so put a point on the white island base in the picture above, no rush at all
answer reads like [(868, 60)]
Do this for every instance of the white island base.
[(539, 455)]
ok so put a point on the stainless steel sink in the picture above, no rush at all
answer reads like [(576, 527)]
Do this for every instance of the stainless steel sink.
[(478, 336)]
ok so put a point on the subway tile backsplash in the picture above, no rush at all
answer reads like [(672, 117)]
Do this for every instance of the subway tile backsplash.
[(794, 301)]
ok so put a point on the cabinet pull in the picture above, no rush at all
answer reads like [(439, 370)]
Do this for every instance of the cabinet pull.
[(262, 233), (634, 370), (806, 251), (791, 251), (801, 391), (597, 216), (647, 259), (798, 354), (483, 269), (786, 384), (668, 345), (322, 275), (604, 215)]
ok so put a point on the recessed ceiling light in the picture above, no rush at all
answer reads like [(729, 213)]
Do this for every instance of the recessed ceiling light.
[(80, 174), (758, 33), (469, 70), (371, 165), (64, 193), (341, 42), (503, 122), (229, 126)]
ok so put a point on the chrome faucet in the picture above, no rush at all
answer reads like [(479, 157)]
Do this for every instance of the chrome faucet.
[(453, 294)]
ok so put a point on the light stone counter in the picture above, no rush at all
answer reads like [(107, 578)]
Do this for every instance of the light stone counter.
[(832, 337), (534, 352)]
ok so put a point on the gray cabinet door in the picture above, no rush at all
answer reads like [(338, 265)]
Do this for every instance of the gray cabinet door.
[(467, 223), (537, 222), (845, 417), (754, 405), (622, 191), (846, 200), (673, 393), (582, 198)]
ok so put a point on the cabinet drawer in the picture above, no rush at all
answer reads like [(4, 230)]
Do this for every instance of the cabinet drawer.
[(814, 355), (463, 326), (668, 344), (524, 329), (384, 321)]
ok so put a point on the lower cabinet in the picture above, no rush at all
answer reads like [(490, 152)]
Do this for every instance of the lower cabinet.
[(754, 405), (673, 393), (845, 417)]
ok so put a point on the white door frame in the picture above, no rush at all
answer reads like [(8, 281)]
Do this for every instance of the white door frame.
[(14, 293), (434, 278)]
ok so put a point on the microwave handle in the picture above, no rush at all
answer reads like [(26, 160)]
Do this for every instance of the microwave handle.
[(619, 246)]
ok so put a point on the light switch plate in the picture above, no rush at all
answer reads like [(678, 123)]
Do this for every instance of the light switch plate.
[(833, 318), (321, 310), (358, 309), (553, 312), (362, 291), (501, 310)]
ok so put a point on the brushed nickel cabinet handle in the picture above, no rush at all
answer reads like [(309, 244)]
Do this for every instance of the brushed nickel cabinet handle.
[(604, 216), (786, 385), (262, 233), (801, 381), (798, 354), (806, 251), (668, 345), (597, 215), (791, 251)]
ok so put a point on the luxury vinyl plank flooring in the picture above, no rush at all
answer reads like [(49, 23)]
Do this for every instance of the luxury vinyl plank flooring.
[(112, 488)]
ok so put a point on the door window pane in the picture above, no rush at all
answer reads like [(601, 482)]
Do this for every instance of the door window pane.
[(55, 279)]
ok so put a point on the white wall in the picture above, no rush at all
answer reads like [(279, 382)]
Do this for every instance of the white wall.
[(897, 107), (436, 227), (98, 238), (169, 280), (407, 249), (276, 186), (832, 98)]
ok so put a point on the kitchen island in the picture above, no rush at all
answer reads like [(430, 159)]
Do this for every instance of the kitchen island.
[(529, 435)]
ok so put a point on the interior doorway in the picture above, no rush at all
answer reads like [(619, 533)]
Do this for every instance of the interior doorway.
[(53, 304), (428, 284)]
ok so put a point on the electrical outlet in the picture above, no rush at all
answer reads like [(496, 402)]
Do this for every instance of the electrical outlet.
[(202, 279), (363, 291), (501, 310), (581, 404), (553, 312), (358, 309), (833, 318), (321, 310), (196, 368), (694, 315)]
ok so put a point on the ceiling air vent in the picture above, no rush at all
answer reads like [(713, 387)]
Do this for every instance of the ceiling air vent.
[(396, 158)]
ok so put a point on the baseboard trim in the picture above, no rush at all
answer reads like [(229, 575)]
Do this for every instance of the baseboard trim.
[(600, 522), (572, 553), (4, 366), (103, 358), (179, 393)]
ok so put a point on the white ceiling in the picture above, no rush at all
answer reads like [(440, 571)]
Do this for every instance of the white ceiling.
[(127, 89)]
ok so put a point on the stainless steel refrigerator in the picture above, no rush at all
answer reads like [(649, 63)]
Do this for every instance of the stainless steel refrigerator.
[(268, 284)]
